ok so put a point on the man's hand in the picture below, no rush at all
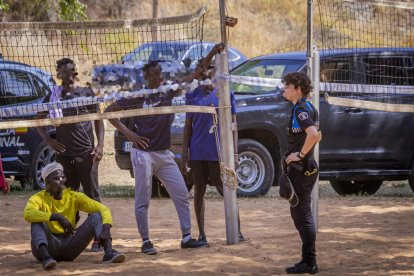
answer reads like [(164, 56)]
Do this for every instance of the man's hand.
[(231, 21), (56, 145), (105, 235), (184, 164), (138, 141), (97, 153), (67, 227)]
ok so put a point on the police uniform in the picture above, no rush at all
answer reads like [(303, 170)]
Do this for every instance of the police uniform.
[(303, 175)]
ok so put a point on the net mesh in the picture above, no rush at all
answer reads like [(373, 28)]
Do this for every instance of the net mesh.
[(368, 56), (106, 64)]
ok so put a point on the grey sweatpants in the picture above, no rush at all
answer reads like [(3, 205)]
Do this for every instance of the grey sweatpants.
[(65, 248), (162, 165)]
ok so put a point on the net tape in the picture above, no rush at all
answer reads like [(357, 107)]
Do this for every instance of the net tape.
[(109, 97)]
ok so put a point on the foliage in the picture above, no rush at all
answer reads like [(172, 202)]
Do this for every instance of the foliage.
[(43, 10), (4, 6), (72, 10)]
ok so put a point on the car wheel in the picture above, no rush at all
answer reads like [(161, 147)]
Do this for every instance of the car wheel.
[(43, 156), (356, 187), (256, 170)]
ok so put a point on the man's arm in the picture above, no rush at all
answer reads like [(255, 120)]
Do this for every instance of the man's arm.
[(188, 131), (88, 205), (32, 211), (52, 143), (138, 141), (207, 60), (100, 134)]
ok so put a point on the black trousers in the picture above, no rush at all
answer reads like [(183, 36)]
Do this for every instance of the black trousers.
[(65, 248), (302, 214), (81, 170)]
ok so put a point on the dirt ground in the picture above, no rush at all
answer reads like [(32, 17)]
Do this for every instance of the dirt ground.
[(357, 235)]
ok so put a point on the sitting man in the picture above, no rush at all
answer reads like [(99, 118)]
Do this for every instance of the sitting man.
[(52, 214)]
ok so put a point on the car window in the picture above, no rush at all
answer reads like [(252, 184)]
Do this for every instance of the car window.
[(16, 87), (271, 69), (336, 71), (410, 70), (39, 87), (162, 51), (196, 52), (232, 55), (382, 70)]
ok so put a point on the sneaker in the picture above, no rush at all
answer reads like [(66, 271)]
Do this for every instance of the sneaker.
[(48, 263), (148, 248), (193, 243), (113, 256), (203, 240), (96, 247), (302, 268)]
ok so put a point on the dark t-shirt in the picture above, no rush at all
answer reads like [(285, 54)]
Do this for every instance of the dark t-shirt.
[(78, 137), (157, 128), (303, 116), (203, 144)]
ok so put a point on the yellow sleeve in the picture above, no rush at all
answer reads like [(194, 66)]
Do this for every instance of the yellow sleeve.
[(88, 205), (32, 211)]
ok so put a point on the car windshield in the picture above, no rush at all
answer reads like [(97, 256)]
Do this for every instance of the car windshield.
[(157, 51), (265, 69)]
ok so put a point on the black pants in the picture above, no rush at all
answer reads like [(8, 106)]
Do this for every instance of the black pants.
[(65, 248), (81, 170), (302, 214)]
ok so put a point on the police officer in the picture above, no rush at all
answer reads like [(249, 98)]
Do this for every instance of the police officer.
[(303, 134)]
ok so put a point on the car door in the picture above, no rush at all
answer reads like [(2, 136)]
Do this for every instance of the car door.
[(344, 129), (388, 135), (17, 89)]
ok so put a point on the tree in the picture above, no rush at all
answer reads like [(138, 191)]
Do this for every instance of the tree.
[(43, 10)]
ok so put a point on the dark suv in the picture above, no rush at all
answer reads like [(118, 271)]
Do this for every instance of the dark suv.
[(360, 147), (23, 151)]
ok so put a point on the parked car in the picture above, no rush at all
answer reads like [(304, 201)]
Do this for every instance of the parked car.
[(360, 147), (23, 151), (180, 50)]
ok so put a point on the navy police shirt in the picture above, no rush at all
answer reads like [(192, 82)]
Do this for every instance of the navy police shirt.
[(303, 116)]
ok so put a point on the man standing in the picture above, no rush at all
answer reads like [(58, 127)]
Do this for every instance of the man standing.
[(150, 156), (200, 149), (52, 214), (74, 143)]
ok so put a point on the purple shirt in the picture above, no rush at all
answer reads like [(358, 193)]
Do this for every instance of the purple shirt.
[(203, 140)]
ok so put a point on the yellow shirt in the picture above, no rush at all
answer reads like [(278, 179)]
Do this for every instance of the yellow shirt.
[(42, 205)]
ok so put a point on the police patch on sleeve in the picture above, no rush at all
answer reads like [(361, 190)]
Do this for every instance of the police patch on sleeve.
[(303, 116)]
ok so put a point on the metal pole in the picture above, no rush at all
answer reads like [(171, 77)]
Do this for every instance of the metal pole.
[(154, 16), (309, 40), (313, 73), (226, 133), (315, 102)]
